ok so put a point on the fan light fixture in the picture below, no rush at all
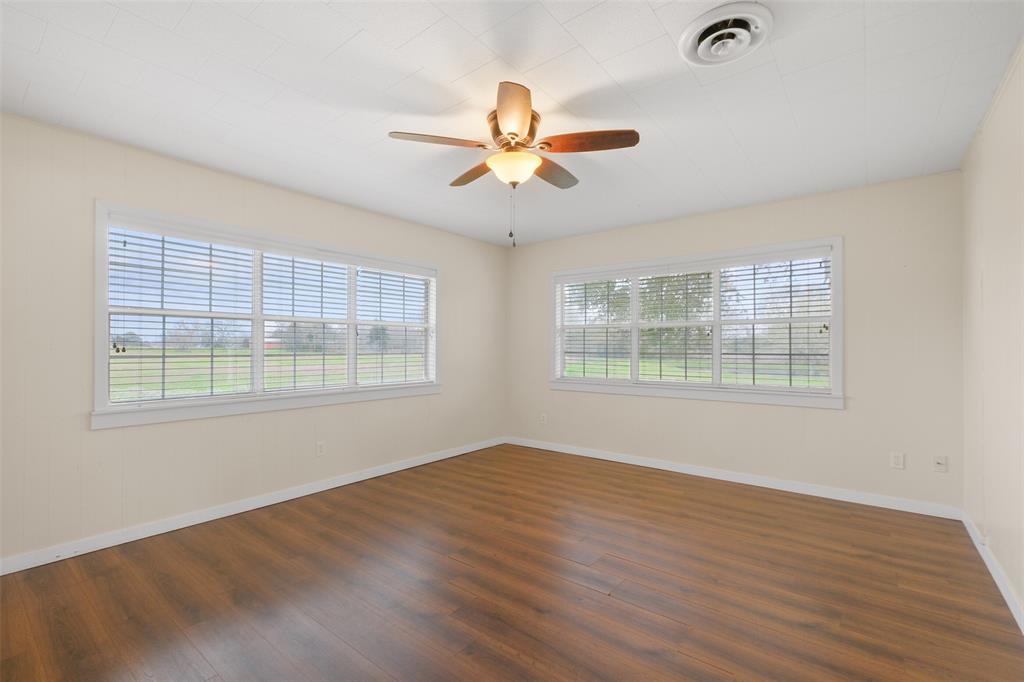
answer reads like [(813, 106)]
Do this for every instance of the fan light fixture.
[(513, 168)]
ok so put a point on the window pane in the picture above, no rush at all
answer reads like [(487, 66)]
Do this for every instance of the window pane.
[(781, 355), (800, 288), (676, 354), (150, 271), (390, 355), (335, 355), (737, 354), (134, 269), (298, 287), (599, 353), (391, 297), (811, 363), (136, 357), (304, 355), (232, 356), (153, 357), (676, 298), (605, 302), (188, 358)]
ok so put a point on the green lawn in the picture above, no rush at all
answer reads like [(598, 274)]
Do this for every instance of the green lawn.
[(137, 375), (698, 370)]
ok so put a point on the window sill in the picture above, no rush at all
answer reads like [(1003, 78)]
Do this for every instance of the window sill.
[(136, 414), (721, 393)]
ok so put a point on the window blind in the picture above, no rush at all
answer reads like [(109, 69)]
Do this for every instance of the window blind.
[(779, 323), (595, 333), (393, 334), (679, 347), (765, 324), (169, 331), (183, 315)]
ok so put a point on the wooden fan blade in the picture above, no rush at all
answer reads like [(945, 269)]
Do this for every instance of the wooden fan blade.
[(514, 109), (549, 171), (591, 141), (472, 174), (438, 139)]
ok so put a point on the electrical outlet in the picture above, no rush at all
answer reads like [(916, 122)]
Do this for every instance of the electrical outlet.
[(940, 464), (321, 449), (543, 417), (897, 460)]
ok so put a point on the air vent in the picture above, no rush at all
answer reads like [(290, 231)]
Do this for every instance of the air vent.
[(725, 34)]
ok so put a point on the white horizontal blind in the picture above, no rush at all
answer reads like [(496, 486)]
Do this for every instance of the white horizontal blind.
[(675, 332), (764, 325), (776, 324), (394, 334), (305, 323), (595, 329), (176, 317), (193, 319)]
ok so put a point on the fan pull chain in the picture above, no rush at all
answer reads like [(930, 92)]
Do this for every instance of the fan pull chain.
[(512, 216)]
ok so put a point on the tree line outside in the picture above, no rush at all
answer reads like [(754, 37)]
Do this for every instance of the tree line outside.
[(761, 353)]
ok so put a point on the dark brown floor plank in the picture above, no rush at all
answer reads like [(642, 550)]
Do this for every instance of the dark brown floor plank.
[(512, 563)]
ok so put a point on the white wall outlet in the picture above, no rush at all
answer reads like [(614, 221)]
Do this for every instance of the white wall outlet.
[(940, 464), (897, 460), (320, 450), (543, 417)]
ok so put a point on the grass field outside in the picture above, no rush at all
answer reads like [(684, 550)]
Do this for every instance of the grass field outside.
[(807, 371), (143, 374)]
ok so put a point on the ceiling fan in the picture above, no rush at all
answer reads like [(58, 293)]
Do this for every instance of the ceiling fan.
[(513, 125)]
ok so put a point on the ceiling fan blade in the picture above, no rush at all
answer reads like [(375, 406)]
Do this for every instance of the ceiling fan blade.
[(472, 174), (591, 141), (549, 171), (515, 108), (438, 139)]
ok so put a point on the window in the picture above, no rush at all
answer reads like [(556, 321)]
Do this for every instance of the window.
[(756, 327), (198, 321)]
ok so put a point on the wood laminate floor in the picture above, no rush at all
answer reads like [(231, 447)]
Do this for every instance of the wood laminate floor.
[(514, 563)]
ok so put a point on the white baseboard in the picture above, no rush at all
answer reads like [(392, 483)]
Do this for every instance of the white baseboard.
[(996, 569), (64, 550), (888, 502), (844, 494)]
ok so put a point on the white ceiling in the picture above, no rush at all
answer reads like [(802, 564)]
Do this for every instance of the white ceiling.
[(302, 95)]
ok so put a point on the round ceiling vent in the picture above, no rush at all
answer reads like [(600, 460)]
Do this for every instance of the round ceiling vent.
[(725, 34)]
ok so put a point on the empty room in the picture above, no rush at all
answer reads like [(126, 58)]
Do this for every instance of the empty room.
[(555, 340)]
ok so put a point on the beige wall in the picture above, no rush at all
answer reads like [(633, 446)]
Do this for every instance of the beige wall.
[(903, 370), (62, 481), (903, 347), (994, 328)]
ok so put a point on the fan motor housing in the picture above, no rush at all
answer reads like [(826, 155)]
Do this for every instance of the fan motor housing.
[(725, 34), (504, 141)]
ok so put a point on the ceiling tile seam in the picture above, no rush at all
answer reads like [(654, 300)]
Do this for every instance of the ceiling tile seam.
[(785, 93), (424, 29), (519, 11), (128, 8), (343, 44), (715, 104), (183, 14), (287, 41), (861, 6), (551, 59), (664, 33), (42, 39), (657, 15), (246, 18), (962, 50), (654, 123)]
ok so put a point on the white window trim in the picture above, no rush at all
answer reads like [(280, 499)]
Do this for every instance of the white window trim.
[(109, 415), (833, 399)]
